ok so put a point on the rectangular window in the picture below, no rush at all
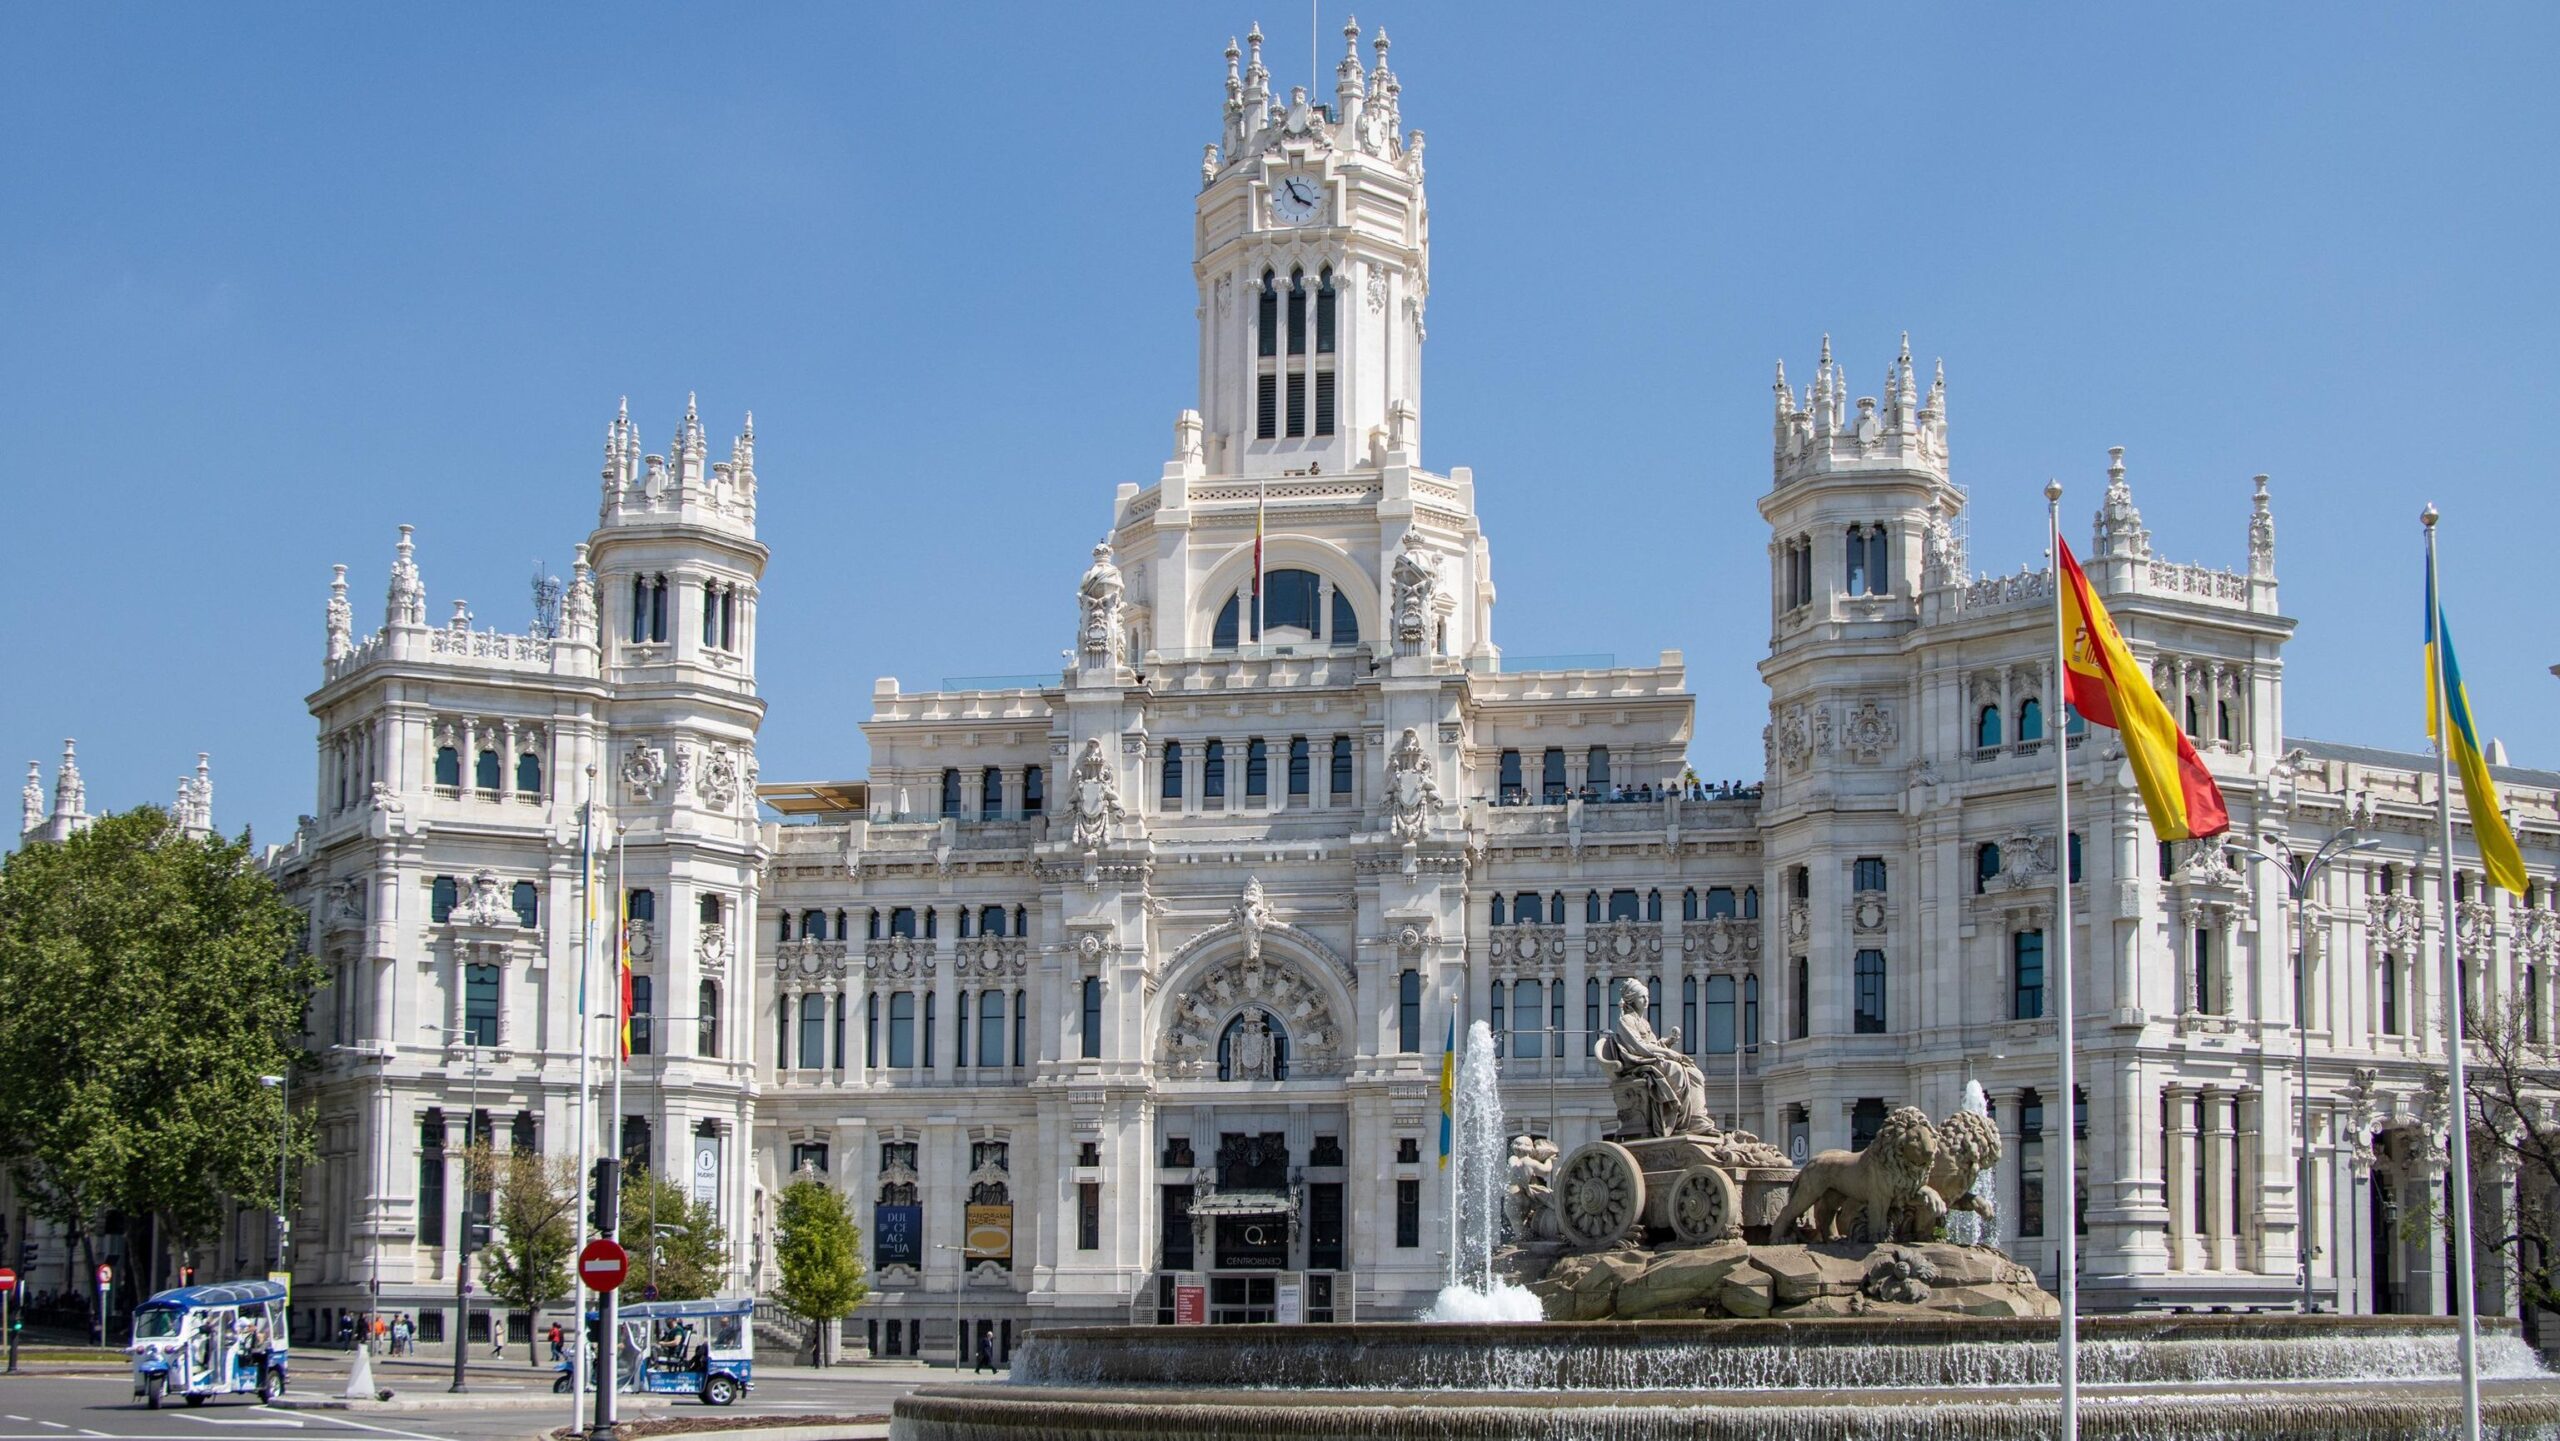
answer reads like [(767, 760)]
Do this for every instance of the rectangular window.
[(871, 1030), (1297, 317), (1341, 778), (1719, 1037), (431, 1179), (1868, 874), (1751, 1012), (1869, 1020), (960, 1026), (2390, 995), (1297, 403), (644, 1024), (1093, 1017), (1800, 1009), (2031, 1165), (1324, 402), (1409, 1012), (1528, 1020), (1551, 777), (1257, 769), (1173, 1248), (1595, 768), (1089, 1216), (902, 1030), (1623, 906), (1021, 1026), (1266, 406), (1324, 315), (927, 1030), (809, 1156), (1213, 772), (2026, 951), (991, 1028), (813, 1032), (1511, 790), (1408, 1214), (480, 1005), (1299, 766), (1324, 1226)]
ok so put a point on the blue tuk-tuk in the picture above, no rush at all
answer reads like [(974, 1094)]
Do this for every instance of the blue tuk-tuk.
[(228, 1339), (681, 1348)]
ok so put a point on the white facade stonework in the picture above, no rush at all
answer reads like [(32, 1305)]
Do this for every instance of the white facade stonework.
[(1185, 928)]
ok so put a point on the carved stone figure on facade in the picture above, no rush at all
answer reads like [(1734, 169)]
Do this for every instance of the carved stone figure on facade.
[(1416, 576), (1659, 1091), (1253, 915), (31, 799), (1412, 795), (718, 783), (644, 769), (342, 616), (1251, 1053), (487, 905), (1097, 798), (1098, 597), (406, 601)]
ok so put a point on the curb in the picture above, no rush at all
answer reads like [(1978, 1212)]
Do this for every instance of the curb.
[(525, 1400)]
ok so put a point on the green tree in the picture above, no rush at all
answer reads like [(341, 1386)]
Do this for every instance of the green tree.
[(148, 979), (533, 1226), (819, 1249), (689, 1253)]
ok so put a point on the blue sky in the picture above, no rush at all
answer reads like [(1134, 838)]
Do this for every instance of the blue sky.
[(274, 279)]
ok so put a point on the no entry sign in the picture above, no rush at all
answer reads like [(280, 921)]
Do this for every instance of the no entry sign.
[(8, 1280), (603, 1264)]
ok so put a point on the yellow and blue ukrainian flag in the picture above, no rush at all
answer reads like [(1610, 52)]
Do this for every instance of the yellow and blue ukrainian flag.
[(2498, 852), (1448, 1087)]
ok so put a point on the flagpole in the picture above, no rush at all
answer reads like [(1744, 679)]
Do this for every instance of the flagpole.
[(2069, 1359), (586, 1124), (1261, 503), (608, 1382), (2439, 711)]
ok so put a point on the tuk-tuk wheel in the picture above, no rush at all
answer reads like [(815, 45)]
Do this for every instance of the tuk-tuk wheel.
[(195, 1400), (152, 1386), (719, 1391), (270, 1384), (560, 1384)]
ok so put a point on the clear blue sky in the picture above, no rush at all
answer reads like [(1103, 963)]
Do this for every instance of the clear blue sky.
[(274, 279)]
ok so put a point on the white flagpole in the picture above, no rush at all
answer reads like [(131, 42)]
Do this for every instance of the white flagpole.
[(2069, 1360), (2440, 706), (1261, 504), (578, 1378)]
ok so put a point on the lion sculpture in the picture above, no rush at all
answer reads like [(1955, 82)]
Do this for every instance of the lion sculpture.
[(1968, 1145), (1887, 1185)]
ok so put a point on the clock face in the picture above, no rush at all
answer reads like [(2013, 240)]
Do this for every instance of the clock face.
[(1296, 198)]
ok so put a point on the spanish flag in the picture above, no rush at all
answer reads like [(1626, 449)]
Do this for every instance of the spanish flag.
[(2109, 689), (1448, 1086), (622, 968), (2498, 851)]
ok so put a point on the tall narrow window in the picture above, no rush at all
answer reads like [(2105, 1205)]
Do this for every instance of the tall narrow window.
[(1986, 864), (1092, 1017), (448, 768), (1689, 903), (2031, 1164), (528, 774), (1035, 790), (2075, 858), (658, 609), (1324, 312), (706, 1019), (902, 1030), (2207, 994), (1021, 1026), (1299, 758), (950, 792), (990, 794), (1528, 1019), (1170, 787), (1324, 402), (1653, 905), (1986, 729), (1499, 1025), (2390, 995), (1257, 769), (431, 1178), (1595, 769), (1800, 1007), (1297, 312), (1870, 994), (1296, 386), (1213, 773), (639, 607), (960, 1030), (1590, 1013), (1510, 777), (2030, 721), (1339, 781), (528, 904), (1408, 1214), (1266, 405), (1551, 775), (486, 775), (1498, 917), (711, 617), (1751, 1012), (1751, 903), (480, 1004), (2026, 971), (1267, 320), (728, 618), (644, 1006), (441, 897), (1857, 557), (1409, 1012), (813, 1032), (1088, 1215), (871, 1031)]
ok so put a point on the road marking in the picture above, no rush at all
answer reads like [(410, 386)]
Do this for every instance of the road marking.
[(269, 1420), (56, 1425), (383, 1430)]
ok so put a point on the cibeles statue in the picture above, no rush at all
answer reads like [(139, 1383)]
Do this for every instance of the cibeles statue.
[(1659, 1091), (1099, 598)]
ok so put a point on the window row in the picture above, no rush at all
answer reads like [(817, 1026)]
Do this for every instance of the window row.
[(905, 923), (1296, 376), (1527, 908), (1294, 606), (991, 792), (1529, 1020), (1298, 775), (444, 896), (1989, 734), (900, 1030), (645, 1018)]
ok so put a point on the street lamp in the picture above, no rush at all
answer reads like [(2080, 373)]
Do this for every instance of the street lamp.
[(462, 1264), (959, 1287), (284, 1146), (2299, 873)]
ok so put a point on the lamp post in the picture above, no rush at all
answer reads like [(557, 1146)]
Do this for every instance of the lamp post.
[(959, 1283), (462, 1262), (2298, 875), (373, 1181), (282, 1086)]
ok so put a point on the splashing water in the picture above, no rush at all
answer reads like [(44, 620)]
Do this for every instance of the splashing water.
[(1963, 1227), (1478, 1178)]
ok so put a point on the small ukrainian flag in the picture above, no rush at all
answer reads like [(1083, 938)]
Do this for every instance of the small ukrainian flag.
[(1448, 1086)]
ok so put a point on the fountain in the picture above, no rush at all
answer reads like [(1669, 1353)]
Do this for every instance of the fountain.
[(1695, 1286)]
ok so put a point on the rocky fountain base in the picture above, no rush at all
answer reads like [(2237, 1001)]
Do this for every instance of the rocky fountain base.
[(1732, 1279), (1876, 1378)]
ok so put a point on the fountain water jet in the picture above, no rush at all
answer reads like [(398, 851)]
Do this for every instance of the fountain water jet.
[(1477, 1149), (1963, 1227)]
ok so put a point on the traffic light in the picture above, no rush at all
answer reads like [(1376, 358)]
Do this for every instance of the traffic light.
[(27, 1254), (479, 1226), (186, 1275), (604, 1196)]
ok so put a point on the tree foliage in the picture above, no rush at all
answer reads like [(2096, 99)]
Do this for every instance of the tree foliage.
[(534, 1203), (147, 980), (819, 1250), (691, 1251), (2513, 1080)]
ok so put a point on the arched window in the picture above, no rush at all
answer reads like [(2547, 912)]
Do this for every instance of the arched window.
[(706, 1012), (1213, 773), (950, 792), (784, 933), (1869, 977), (1689, 904), (813, 925), (991, 1028), (931, 917), (1751, 903), (2195, 727), (1300, 764), (1342, 629), (1653, 905), (1528, 1020), (1170, 787), (639, 607), (1555, 908), (990, 794), (1986, 729), (2073, 723), (1222, 636), (528, 902), (1857, 554), (448, 768), (644, 1034), (2030, 720), (964, 923), (1590, 1013), (1591, 909), (902, 922), (872, 931), (441, 897), (707, 910), (2222, 720), (1279, 1046), (1290, 603), (1257, 769), (1019, 928), (2026, 971), (528, 774), (487, 774), (991, 921), (1986, 864), (1524, 909), (658, 608), (1035, 790)]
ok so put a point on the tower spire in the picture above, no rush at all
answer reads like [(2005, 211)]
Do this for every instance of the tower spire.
[(70, 795), (31, 800), (406, 602)]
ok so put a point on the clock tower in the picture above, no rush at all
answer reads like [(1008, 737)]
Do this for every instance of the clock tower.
[(1313, 261)]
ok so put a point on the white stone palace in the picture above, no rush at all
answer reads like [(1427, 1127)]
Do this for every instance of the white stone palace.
[(1142, 970)]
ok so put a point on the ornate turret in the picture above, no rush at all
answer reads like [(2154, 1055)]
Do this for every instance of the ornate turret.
[(683, 484), (193, 809), (342, 617), (31, 800), (1825, 431), (2262, 534), (406, 601), (2118, 532)]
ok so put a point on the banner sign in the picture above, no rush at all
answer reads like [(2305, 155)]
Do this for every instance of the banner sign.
[(1292, 1306), (1190, 1305), (897, 1236), (706, 1172), (990, 1233)]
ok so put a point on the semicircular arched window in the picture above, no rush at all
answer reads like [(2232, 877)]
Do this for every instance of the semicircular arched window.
[(1297, 607)]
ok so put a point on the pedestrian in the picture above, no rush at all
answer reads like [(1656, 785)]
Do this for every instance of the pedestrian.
[(555, 1343), (381, 1328), (346, 1333), (498, 1336), (986, 1352)]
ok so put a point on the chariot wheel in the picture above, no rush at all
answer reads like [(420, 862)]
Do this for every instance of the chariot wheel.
[(1599, 1194), (1705, 1205)]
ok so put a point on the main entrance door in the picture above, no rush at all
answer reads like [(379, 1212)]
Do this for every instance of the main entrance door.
[(1243, 1300)]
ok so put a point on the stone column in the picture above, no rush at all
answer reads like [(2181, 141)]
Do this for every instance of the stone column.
[(2218, 1222), (2178, 1121), (2249, 1224)]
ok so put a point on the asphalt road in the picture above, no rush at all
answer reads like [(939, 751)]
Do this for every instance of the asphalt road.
[(63, 1407)]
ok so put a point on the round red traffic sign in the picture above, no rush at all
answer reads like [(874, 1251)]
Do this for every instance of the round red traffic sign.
[(603, 1264), (105, 1274), (8, 1279)]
